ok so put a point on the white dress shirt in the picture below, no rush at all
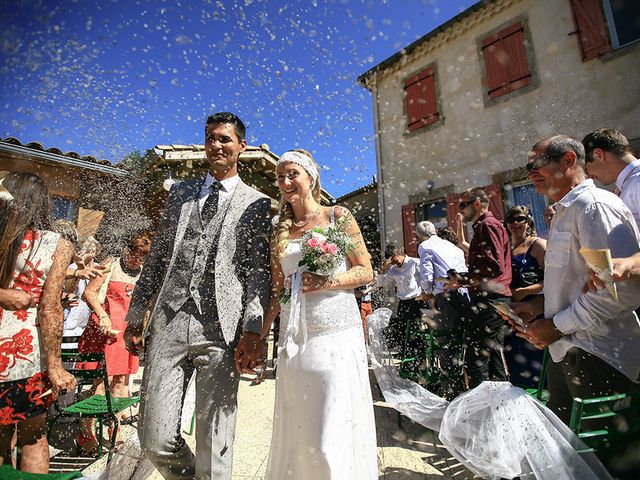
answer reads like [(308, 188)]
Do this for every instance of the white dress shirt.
[(437, 257), (407, 277), (228, 187), (628, 182), (594, 218)]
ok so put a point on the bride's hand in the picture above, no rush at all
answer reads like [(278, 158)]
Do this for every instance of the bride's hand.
[(312, 282)]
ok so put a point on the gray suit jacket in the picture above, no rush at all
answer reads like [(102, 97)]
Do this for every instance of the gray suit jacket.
[(242, 270)]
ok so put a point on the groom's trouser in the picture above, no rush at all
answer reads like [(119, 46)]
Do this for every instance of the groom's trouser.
[(189, 343)]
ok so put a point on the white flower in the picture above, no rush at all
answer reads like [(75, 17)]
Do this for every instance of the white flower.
[(318, 236)]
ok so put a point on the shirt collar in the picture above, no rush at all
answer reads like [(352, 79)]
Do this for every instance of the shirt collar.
[(228, 184), (570, 197), (626, 172), (483, 217)]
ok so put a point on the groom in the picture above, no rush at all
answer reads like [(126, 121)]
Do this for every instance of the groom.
[(209, 269)]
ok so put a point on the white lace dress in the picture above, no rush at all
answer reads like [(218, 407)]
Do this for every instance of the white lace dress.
[(323, 425)]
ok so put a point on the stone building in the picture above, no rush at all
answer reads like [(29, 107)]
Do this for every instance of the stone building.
[(72, 180), (461, 106), (363, 204)]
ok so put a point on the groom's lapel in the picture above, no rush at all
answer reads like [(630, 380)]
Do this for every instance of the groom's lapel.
[(190, 196)]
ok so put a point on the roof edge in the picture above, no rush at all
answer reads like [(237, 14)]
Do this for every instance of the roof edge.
[(406, 51)]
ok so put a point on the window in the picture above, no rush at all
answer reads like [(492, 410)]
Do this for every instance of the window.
[(63, 209), (605, 24), (525, 194), (420, 93), (505, 59), (435, 212), (623, 18)]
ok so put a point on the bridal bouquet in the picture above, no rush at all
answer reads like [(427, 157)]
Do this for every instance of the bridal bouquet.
[(323, 250)]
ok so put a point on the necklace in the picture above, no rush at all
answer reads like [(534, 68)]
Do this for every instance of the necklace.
[(519, 243), (300, 224)]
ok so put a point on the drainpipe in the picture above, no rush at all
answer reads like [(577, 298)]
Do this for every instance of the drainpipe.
[(378, 138)]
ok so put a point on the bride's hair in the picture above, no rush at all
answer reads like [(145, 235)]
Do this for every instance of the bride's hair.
[(280, 238)]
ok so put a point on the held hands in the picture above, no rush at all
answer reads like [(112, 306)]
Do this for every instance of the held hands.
[(250, 353)]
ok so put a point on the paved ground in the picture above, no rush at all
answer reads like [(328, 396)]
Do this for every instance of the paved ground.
[(404, 452)]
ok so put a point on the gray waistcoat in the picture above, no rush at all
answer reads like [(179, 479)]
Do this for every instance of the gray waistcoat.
[(183, 282)]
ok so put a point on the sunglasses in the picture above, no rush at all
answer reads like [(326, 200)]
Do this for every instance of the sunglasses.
[(518, 219), (463, 205), (543, 161)]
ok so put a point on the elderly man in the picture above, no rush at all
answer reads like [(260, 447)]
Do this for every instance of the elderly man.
[(437, 258), (609, 160), (488, 280), (592, 338)]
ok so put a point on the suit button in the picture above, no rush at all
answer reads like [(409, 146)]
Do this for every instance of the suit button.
[(193, 289), (204, 237)]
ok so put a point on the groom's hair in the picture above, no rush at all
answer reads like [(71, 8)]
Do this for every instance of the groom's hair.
[(228, 117)]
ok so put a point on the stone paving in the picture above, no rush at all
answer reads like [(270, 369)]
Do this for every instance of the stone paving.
[(404, 452)]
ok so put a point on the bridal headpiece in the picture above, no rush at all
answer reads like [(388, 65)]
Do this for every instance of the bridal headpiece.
[(303, 160)]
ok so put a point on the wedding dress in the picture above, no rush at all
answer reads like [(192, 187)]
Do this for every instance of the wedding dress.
[(323, 425)]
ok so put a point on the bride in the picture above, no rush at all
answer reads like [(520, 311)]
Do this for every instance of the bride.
[(323, 426)]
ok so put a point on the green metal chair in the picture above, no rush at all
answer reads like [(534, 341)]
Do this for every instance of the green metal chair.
[(420, 354), (540, 392), (606, 423), (7, 472), (101, 407)]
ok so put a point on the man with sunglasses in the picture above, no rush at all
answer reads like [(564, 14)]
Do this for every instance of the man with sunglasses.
[(609, 160), (488, 279), (592, 338)]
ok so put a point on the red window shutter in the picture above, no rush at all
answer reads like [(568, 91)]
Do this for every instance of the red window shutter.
[(422, 108), (590, 27), (506, 61), (495, 61), (409, 229), (453, 199), (496, 203), (517, 65)]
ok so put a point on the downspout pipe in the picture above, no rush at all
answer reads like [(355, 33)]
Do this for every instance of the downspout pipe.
[(378, 140)]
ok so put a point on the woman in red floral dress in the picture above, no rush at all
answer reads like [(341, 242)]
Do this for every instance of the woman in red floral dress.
[(33, 262)]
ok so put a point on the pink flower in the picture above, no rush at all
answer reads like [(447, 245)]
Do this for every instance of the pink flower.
[(333, 249), (324, 247), (313, 242)]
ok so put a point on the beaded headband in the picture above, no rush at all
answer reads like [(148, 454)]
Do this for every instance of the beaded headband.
[(303, 160)]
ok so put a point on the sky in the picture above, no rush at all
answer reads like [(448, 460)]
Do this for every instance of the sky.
[(108, 77)]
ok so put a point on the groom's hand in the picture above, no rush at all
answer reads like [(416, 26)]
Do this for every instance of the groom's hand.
[(248, 353)]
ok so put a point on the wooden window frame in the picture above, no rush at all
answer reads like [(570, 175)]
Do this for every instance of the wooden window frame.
[(519, 84), (431, 119)]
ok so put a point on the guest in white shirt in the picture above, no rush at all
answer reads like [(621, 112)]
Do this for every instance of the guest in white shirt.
[(405, 271), (592, 338), (609, 160), (437, 258)]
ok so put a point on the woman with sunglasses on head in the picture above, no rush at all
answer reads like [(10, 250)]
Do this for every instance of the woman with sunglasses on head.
[(33, 261), (527, 254)]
